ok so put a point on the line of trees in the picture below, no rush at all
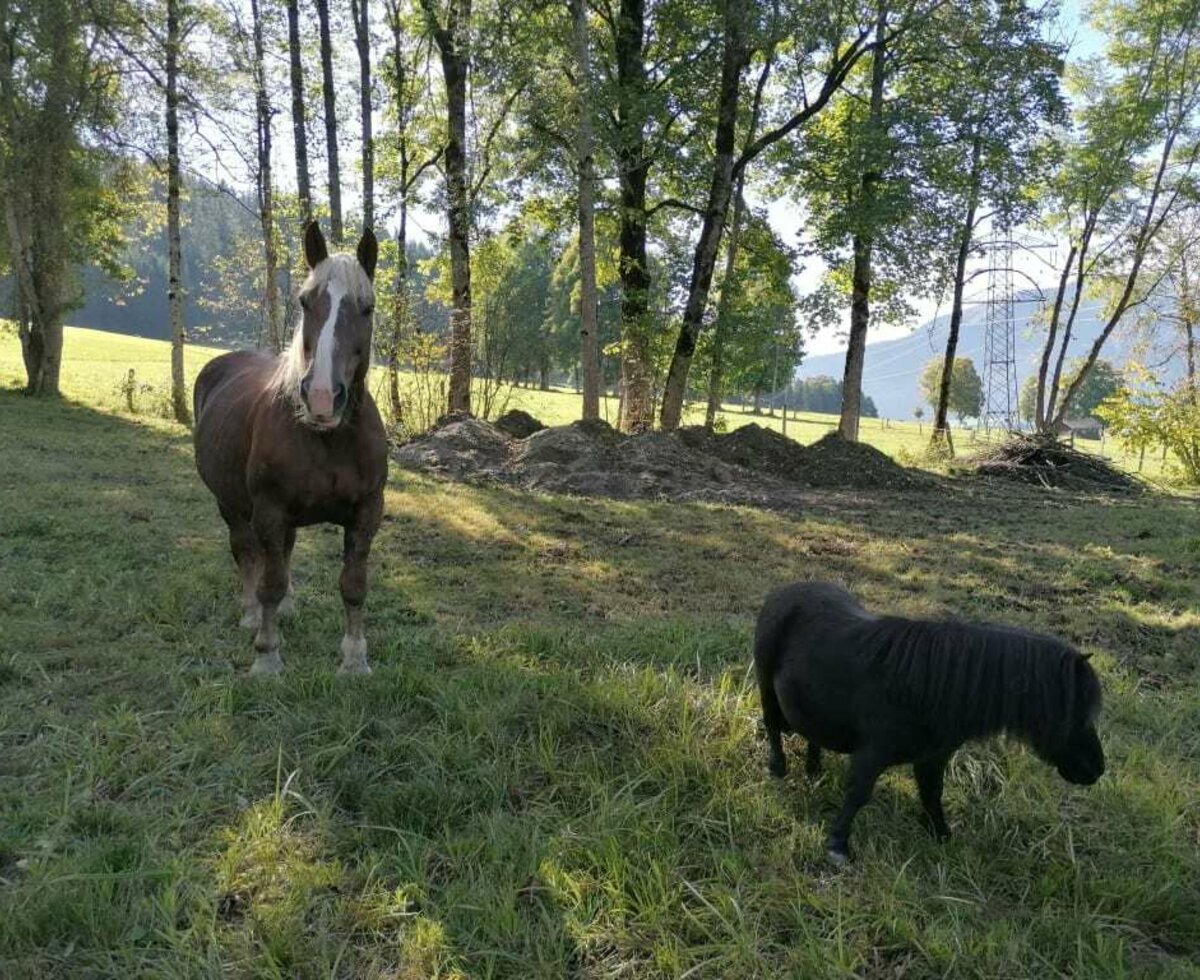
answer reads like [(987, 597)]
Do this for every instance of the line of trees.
[(596, 165)]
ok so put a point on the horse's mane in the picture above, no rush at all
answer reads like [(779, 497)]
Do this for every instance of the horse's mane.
[(345, 271), (973, 680)]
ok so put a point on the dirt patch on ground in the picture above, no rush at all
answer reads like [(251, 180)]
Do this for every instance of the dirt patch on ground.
[(751, 465), (1044, 461)]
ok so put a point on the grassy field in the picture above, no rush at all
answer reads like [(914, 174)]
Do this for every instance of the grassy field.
[(556, 769)]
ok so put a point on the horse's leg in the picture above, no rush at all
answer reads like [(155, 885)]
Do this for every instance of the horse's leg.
[(247, 552), (271, 529), (812, 760), (865, 768), (930, 773), (288, 605), (359, 533)]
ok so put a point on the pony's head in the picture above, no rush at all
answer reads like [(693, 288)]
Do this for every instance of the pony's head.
[(331, 348), (1073, 748)]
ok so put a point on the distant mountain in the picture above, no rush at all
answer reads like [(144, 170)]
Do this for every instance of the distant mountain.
[(893, 366)]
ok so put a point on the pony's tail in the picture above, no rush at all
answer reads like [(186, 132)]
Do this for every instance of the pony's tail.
[(773, 622)]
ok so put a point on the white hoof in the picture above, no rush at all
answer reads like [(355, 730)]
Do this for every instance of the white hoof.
[(354, 656), (251, 618), (267, 664), (288, 606)]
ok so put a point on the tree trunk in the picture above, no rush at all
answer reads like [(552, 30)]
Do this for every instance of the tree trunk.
[(716, 377), (1150, 224), (864, 244), (1039, 412), (266, 202), (721, 187), (299, 128), (452, 45), (589, 330), (331, 138), (856, 351), (179, 399), (941, 429), (637, 374), (1052, 390), (362, 39)]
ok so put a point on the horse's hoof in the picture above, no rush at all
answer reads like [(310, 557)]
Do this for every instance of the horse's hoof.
[(268, 665), (251, 619), (288, 606), (777, 768), (356, 668)]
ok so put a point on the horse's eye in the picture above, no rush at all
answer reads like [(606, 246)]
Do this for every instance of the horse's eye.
[(368, 309)]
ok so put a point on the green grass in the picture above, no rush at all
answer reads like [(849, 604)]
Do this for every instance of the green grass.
[(556, 769)]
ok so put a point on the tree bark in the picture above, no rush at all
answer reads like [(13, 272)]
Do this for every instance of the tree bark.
[(716, 377), (1039, 407), (705, 258), (860, 295), (179, 398), (266, 202), (331, 138), (589, 330), (1151, 223), (362, 39), (856, 350), (637, 374), (451, 40), (941, 429), (299, 126)]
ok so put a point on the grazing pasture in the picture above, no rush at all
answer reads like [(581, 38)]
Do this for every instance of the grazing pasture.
[(557, 767)]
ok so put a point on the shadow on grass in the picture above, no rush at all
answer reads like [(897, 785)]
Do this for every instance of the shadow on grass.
[(556, 767)]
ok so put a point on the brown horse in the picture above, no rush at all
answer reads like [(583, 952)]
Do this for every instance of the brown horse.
[(288, 441)]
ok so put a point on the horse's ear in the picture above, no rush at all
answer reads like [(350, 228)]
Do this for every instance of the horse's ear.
[(1085, 656), (315, 251), (368, 253)]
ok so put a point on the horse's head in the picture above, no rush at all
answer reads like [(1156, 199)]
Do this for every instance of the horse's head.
[(1077, 753), (333, 342)]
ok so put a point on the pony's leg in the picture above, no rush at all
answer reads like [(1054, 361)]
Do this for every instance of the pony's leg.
[(812, 760), (358, 537), (247, 552), (288, 605), (865, 768), (774, 723), (272, 587), (930, 773)]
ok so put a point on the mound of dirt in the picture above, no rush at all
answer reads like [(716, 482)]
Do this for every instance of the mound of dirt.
[(461, 448), (519, 424), (751, 465), (1045, 461), (834, 462)]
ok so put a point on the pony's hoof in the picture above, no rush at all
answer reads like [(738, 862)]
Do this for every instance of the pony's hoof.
[(267, 665), (251, 618), (356, 668), (288, 606), (777, 767), (838, 853)]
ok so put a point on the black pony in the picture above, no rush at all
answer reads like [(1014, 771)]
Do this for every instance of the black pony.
[(892, 691)]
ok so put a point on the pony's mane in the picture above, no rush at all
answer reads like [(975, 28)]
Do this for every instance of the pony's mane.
[(345, 271), (972, 680)]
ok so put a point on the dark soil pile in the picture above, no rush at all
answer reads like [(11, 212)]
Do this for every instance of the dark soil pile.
[(834, 462), (518, 424), (751, 465), (1045, 461)]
